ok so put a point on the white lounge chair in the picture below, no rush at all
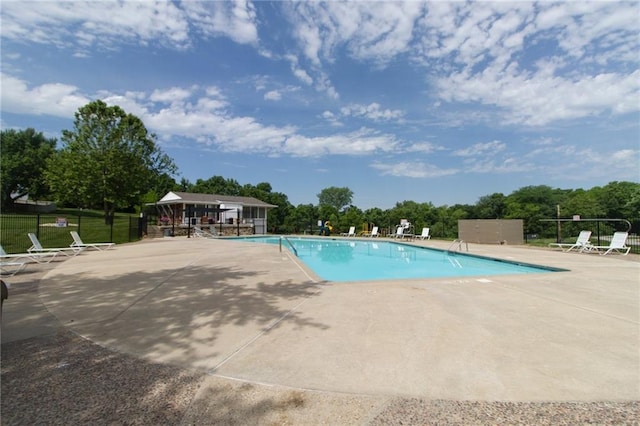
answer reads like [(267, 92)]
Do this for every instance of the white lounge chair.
[(78, 243), (425, 234), (28, 257), (618, 243), (199, 232), (582, 242), (351, 233), (374, 233), (11, 268), (399, 232), (37, 247)]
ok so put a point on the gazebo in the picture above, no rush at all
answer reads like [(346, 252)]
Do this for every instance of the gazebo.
[(226, 214)]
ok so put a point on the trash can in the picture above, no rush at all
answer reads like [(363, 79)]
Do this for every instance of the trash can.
[(168, 232)]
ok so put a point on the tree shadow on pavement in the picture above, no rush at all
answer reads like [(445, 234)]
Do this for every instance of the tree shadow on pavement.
[(194, 318)]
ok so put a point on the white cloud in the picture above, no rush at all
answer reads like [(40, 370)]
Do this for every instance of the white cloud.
[(412, 170), (331, 118), (424, 147), (174, 94), (361, 142), (479, 51), (492, 157), (234, 19), (302, 75), (60, 100), (189, 113), (507, 164), (372, 111), (541, 92), (106, 23), (273, 95), (481, 149), (369, 31), (539, 99)]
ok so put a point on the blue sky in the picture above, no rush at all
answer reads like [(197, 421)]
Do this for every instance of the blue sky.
[(439, 102)]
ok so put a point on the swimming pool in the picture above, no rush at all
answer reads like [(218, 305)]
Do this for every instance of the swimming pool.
[(358, 260)]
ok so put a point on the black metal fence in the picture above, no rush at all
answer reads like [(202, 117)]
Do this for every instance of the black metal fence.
[(54, 230), (567, 230)]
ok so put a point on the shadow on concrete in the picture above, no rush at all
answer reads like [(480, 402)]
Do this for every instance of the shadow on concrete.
[(64, 379), (196, 316)]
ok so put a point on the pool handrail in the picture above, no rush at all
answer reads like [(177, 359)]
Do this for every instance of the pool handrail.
[(290, 244), (459, 244)]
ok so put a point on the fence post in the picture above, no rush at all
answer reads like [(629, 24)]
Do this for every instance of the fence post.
[(130, 230), (38, 225), (142, 226), (79, 216)]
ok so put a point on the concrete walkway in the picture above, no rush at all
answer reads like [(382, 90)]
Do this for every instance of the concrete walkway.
[(251, 313)]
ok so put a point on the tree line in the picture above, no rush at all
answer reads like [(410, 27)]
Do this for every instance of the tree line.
[(109, 161)]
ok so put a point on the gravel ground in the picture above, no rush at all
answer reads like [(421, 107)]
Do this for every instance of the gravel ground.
[(59, 378)]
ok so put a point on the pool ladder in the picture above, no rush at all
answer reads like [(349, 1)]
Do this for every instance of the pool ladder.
[(456, 245), (290, 245)]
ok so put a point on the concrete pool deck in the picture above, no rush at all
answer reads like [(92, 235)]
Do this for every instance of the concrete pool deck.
[(251, 315)]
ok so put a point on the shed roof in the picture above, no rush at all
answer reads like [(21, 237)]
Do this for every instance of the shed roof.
[(174, 197)]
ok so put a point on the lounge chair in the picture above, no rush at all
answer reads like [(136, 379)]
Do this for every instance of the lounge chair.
[(618, 244), (582, 242), (78, 243), (11, 268), (425, 234), (374, 233), (199, 232), (351, 233), (37, 247), (399, 232), (29, 257)]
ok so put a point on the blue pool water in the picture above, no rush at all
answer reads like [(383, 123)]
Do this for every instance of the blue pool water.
[(357, 260)]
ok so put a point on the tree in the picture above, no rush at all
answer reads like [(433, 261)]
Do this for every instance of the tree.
[(162, 184), (338, 198), (184, 186), (302, 218), (22, 164), (217, 185), (615, 196), (633, 205), (491, 206), (108, 160), (583, 203), (352, 216), (376, 217)]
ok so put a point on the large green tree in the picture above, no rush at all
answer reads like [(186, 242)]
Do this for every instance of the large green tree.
[(335, 197), (22, 164), (491, 206), (109, 160), (217, 185), (614, 197), (302, 218)]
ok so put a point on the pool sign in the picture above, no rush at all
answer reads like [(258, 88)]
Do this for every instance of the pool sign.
[(61, 222)]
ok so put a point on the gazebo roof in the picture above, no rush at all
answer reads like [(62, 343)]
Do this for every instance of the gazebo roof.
[(175, 197)]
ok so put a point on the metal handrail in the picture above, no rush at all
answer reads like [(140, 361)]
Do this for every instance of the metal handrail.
[(459, 244), (290, 245)]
